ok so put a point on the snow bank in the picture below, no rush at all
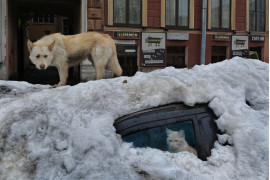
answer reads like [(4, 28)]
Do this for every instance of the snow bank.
[(68, 133)]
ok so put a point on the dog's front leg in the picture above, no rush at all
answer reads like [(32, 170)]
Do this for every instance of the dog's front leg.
[(63, 74)]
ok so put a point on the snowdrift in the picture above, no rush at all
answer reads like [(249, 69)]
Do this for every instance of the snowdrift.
[(68, 133)]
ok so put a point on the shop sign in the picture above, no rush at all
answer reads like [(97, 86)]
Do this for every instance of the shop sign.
[(153, 49), (257, 38), (218, 37), (239, 42), (241, 53), (178, 36), (126, 35), (125, 42)]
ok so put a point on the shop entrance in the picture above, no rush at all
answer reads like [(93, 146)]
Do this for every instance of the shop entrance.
[(127, 57), (32, 20), (255, 52)]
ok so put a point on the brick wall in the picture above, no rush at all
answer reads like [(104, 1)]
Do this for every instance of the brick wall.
[(240, 23), (154, 12), (198, 14)]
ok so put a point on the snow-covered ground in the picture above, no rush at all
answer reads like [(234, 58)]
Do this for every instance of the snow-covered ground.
[(68, 133)]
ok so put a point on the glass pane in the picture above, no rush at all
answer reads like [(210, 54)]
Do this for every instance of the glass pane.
[(260, 21), (260, 5), (183, 13), (226, 13), (215, 13), (119, 11), (170, 12), (135, 12), (252, 5), (170, 138), (46, 19), (51, 19), (252, 19)]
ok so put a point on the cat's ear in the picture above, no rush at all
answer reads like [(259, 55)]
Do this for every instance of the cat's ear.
[(168, 131), (181, 133)]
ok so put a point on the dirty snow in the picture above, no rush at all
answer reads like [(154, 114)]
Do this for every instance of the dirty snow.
[(68, 133)]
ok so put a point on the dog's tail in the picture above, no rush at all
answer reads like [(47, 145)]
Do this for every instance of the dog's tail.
[(114, 65)]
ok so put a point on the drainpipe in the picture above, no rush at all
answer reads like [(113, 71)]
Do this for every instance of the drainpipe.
[(203, 42)]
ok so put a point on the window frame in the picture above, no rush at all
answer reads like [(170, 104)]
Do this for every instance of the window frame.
[(220, 17), (127, 16), (176, 55), (226, 52), (176, 26), (43, 19), (256, 14)]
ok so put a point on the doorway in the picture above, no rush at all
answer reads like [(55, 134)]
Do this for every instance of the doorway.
[(32, 20), (127, 57), (258, 51)]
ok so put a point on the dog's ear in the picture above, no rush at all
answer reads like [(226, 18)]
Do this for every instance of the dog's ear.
[(30, 45), (50, 46)]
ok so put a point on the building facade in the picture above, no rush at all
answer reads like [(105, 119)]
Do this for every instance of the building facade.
[(234, 28), (151, 34)]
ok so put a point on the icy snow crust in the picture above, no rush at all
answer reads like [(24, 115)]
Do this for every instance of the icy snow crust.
[(68, 133)]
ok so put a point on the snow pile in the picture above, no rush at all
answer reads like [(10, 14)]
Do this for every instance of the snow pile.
[(68, 133)]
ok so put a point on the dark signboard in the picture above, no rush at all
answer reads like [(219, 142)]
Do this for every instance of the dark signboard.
[(257, 38), (218, 37), (153, 49), (126, 35), (241, 53)]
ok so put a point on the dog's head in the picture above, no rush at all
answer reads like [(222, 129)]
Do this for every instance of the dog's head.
[(41, 54)]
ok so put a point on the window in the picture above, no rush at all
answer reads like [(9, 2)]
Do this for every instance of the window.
[(177, 13), (220, 14), (170, 127), (218, 54), (43, 19), (127, 12), (176, 56), (257, 15), (161, 137)]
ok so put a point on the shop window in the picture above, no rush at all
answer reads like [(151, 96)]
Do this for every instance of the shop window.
[(176, 56), (257, 15), (220, 14), (43, 19), (177, 13), (127, 12), (218, 54)]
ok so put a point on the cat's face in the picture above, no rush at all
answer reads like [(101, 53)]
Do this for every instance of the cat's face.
[(175, 139)]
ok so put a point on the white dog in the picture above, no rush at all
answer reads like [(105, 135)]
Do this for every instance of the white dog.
[(65, 51)]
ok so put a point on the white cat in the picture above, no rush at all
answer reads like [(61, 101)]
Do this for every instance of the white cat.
[(177, 143)]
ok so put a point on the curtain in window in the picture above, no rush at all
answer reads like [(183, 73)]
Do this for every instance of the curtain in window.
[(260, 15), (252, 15), (135, 12), (170, 12), (225, 13), (215, 16), (183, 13), (119, 11), (257, 15)]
